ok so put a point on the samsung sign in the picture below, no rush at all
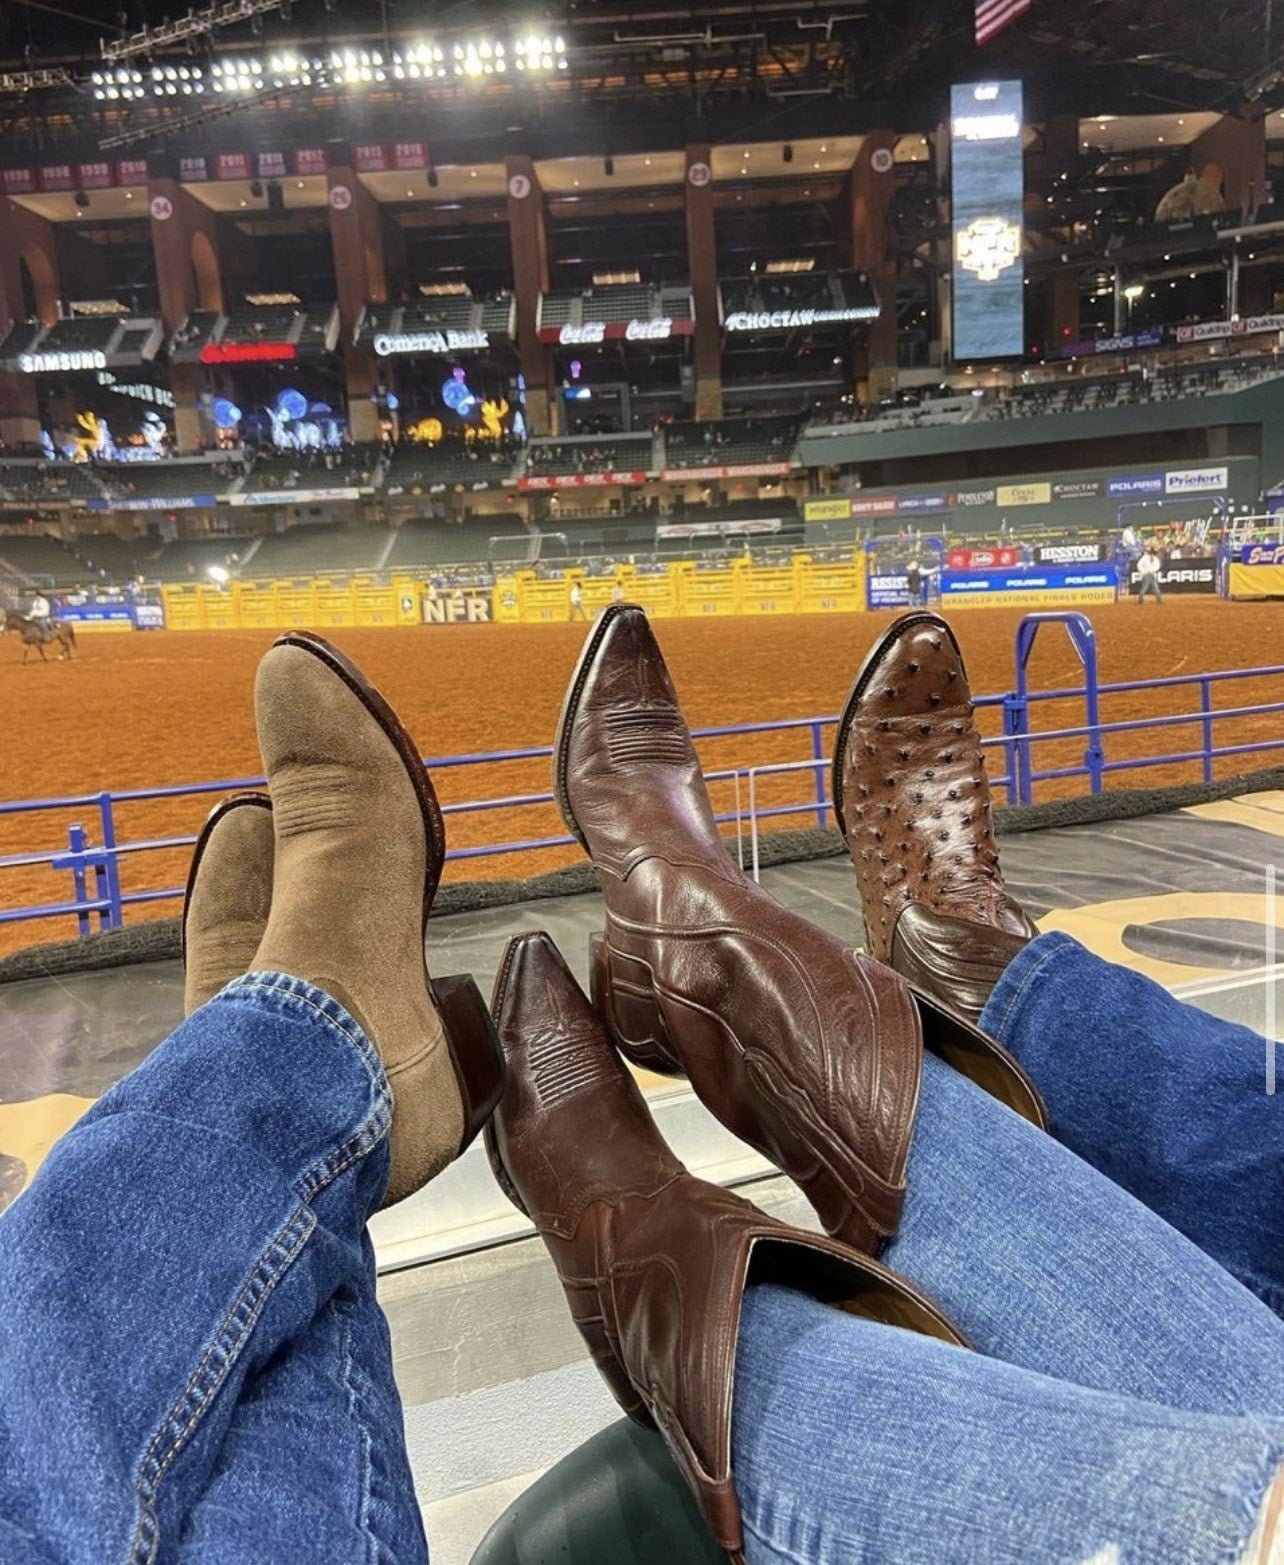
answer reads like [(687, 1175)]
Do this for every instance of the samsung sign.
[(987, 183), (44, 363), (789, 320), (386, 345)]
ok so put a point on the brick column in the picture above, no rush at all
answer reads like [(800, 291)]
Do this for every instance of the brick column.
[(872, 187), (528, 236), (189, 276), (1232, 153), (702, 262), (356, 233), (27, 239)]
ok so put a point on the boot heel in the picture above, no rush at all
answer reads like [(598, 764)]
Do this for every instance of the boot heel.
[(624, 996), (475, 1049)]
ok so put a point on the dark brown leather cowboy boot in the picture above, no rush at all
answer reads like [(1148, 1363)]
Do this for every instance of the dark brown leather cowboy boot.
[(802, 1048), (358, 855), (229, 895), (913, 802), (653, 1261)]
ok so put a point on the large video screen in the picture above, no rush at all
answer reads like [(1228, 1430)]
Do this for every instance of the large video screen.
[(987, 178)]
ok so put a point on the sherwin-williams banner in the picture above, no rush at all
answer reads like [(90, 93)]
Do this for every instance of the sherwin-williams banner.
[(987, 182)]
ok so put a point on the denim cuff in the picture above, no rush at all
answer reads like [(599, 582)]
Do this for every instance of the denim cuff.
[(1002, 1014)]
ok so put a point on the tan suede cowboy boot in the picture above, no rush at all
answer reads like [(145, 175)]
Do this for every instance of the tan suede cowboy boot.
[(359, 852), (913, 802), (802, 1048), (654, 1262), (229, 895)]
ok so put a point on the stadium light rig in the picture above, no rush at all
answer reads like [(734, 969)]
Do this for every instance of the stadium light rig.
[(196, 24), (471, 59)]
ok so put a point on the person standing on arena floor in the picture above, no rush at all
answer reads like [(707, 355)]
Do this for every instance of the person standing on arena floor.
[(914, 581), (191, 1263), (1148, 567), (577, 602)]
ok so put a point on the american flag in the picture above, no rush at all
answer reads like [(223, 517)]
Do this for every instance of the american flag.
[(992, 16)]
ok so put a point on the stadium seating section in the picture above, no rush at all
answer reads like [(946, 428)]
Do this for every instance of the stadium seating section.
[(37, 483), (416, 468), (730, 442), (81, 334), (318, 550), (604, 454), (615, 304), (156, 480), (36, 556)]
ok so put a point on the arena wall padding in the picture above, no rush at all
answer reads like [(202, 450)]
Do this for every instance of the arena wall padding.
[(160, 940)]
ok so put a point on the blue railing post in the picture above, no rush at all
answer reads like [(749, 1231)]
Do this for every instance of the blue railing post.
[(1016, 746), (818, 750), (115, 911), (76, 841), (1084, 640), (1206, 707)]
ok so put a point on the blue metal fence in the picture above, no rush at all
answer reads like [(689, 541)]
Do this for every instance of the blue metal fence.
[(94, 860)]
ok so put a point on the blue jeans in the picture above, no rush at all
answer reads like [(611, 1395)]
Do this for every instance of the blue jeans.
[(193, 1364), (1134, 1391), (1166, 1101), (190, 1270)]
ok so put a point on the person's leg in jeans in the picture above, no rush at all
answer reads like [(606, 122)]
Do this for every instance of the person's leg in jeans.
[(190, 1228), (1169, 1102), (853, 1441), (816, 1408), (189, 1285)]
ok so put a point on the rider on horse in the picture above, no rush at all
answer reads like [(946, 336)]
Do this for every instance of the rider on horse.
[(41, 613)]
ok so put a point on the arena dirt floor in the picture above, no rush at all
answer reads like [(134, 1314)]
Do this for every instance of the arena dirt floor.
[(170, 708)]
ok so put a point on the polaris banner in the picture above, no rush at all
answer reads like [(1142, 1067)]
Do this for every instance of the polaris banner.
[(987, 186), (1136, 483), (1055, 579), (1182, 576), (1068, 553)]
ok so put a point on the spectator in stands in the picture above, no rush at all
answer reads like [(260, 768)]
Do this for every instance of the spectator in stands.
[(1129, 541), (1149, 566)]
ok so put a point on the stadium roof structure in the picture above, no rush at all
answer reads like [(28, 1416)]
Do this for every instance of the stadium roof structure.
[(628, 75)]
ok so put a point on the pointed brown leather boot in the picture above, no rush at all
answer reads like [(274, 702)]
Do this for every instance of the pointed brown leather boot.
[(359, 851), (913, 802), (802, 1048), (653, 1261), (229, 894)]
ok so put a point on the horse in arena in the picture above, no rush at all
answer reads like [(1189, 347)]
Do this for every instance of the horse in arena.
[(31, 635)]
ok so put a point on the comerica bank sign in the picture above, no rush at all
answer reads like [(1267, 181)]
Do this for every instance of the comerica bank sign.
[(386, 345)]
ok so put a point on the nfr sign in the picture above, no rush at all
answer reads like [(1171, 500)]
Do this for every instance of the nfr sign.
[(460, 607)]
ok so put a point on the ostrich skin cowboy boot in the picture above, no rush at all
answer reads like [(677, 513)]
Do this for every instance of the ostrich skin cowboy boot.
[(229, 896), (913, 803), (804, 1049), (359, 851), (654, 1262)]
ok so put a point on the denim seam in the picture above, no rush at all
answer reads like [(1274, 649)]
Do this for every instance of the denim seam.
[(211, 1373), (282, 1250), (365, 1451), (1027, 979)]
